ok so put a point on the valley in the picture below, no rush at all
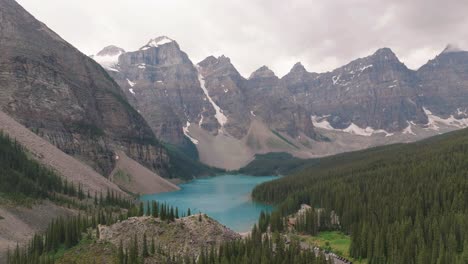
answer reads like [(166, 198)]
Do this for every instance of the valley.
[(157, 155)]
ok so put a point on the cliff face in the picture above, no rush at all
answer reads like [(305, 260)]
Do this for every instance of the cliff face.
[(162, 83), (377, 91), (55, 90), (444, 83)]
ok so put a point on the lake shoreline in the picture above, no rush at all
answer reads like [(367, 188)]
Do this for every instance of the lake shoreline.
[(226, 198)]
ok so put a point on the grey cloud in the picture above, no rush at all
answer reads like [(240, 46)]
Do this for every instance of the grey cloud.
[(322, 34)]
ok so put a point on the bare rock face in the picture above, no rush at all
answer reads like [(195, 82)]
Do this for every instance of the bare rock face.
[(377, 91), (269, 99), (227, 88), (162, 83), (52, 88), (444, 83)]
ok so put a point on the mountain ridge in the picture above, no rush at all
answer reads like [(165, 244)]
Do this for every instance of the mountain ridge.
[(376, 94)]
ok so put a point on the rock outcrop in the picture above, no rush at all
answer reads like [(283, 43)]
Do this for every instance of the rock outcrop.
[(184, 236)]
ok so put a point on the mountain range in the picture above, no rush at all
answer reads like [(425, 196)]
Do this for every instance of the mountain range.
[(371, 101)]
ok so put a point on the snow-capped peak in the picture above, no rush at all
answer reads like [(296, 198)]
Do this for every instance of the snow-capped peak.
[(156, 42), (109, 57)]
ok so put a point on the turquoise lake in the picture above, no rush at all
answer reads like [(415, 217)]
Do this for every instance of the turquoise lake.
[(225, 198)]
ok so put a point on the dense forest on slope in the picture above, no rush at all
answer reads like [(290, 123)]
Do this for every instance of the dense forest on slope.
[(185, 164), (404, 203), (22, 176), (276, 163)]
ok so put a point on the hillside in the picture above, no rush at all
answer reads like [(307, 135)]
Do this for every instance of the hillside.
[(68, 99), (416, 189)]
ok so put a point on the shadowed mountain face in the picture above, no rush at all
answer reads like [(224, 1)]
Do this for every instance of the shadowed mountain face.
[(66, 97)]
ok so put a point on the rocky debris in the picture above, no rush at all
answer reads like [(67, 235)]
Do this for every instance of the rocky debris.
[(184, 236), (131, 176), (19, 224)]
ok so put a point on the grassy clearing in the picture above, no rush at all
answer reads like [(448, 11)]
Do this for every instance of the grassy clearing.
[(333, 241)]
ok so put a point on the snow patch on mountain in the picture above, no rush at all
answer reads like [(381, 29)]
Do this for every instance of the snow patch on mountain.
[(322, 122), (159, 41), (366, 67), (409, 129), (366, 132), (201, 120), (219, 115), (186, 133), (131, 91), (108, 62), (435, 121), (130, 83)]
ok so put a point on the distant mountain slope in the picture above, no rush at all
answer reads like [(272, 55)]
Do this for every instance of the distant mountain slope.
[(416, 189)]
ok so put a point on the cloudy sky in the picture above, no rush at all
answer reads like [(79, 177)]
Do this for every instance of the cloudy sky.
[(322, 34)]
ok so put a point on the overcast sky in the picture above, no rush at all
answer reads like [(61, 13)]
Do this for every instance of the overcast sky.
[(322, 34)]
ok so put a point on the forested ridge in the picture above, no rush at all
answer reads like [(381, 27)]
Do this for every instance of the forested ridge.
[(404, 203)]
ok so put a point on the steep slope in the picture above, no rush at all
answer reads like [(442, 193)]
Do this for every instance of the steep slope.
[(133, 177), (444, 83), (49, 155), (377, 91), (52, 88), (162, 83), (226, 87), (270, 100)]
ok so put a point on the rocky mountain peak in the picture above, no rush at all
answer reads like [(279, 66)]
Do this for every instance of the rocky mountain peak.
[(109, 57), (298, 68), (157, 42), (212, 60), (262, 72), (385, 54), (110, 51)]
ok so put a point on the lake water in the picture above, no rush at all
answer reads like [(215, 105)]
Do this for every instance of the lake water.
[(225, 198)]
